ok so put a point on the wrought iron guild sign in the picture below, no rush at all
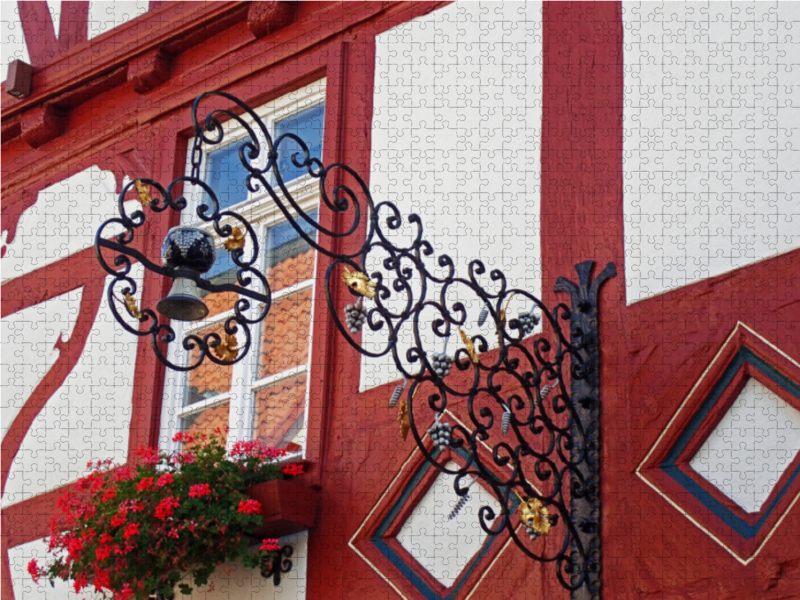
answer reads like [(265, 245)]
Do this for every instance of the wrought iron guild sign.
[(532, 435)]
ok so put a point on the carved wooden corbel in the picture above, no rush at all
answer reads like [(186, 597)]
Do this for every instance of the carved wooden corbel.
[(43, 124), (150, 70), (264, 18)]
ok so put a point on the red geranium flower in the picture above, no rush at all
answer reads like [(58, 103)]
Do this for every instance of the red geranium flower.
[(102, 552), (33, 569), (131, 529), (199, 490), (145, 484), (270, 545), (250, 507), (165, 479), (293, 469), (166, 507), (119, 519)]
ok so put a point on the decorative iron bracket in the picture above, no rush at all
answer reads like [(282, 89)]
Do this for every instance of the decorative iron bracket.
[(585, 506), (527, 406)]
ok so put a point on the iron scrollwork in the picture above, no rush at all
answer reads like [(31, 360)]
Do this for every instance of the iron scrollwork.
[(279, 566), (230, 226), (524, 410)]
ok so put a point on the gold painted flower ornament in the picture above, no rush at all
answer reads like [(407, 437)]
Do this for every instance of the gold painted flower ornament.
[(536, 518), (235, 240), (227, 350), (131, 306), (359, 283)]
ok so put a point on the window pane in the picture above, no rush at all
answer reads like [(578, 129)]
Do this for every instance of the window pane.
[(290, 259), (308, 126), (284, 335), (226, 175), (209, 379), (280, 411), (223, 271), (206, 421)]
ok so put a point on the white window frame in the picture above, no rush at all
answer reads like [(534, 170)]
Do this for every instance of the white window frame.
[(262, 213)]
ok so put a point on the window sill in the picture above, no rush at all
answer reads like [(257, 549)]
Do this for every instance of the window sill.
[(287, 506)]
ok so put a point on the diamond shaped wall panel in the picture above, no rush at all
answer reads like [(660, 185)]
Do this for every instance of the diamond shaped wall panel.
[(408, 539), (729, 460), (444, 546), (751, 447)]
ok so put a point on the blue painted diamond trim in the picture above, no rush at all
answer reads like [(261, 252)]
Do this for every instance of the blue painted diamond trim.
[(668, 466)]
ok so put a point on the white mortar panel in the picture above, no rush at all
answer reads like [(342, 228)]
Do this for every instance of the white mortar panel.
[(26, 589), (87, 418), (444, 547), (29, 337), (13, 39), (230, 581), (711, 157), (751, 447), (456, 136), (62, 221), (104, 16)]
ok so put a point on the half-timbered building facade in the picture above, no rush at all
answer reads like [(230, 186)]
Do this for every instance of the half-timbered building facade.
[(535, 136)]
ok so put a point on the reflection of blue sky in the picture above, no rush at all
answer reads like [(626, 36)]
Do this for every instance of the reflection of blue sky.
[(307, 125), (226, 175), (284, 242), (223, 271)]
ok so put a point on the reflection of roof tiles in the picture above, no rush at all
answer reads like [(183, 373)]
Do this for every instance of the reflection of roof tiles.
[(283, 345), (220, 302), (291, 271), (209, 379), (284, 337), (208, 420), (278, 407)]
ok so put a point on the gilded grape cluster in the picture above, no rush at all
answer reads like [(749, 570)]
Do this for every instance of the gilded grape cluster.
[(441, 363), (528, 321), (355, 315), (440, 434)]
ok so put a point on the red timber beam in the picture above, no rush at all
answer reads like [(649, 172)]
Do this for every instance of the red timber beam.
[(654, 350), (581, 181)]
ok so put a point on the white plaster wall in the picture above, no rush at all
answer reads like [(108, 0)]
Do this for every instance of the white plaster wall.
[(26, 589), (62, 221), (13, 38), (28, 341), (234, 582), (87, 418), (444, 546), (711, 152), (104, 16), (751, 447), (456, 139)]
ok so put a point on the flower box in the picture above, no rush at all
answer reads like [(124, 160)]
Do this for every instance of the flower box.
[(286, 506)]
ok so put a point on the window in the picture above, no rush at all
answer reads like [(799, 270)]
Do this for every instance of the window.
[(265, 395)]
